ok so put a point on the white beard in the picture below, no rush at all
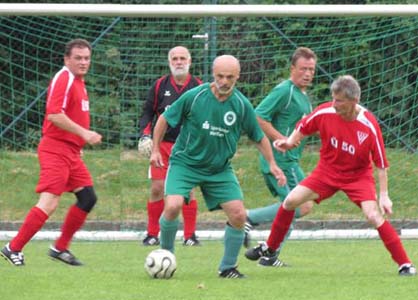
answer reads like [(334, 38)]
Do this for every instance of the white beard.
[(180, 72), (223, 92)]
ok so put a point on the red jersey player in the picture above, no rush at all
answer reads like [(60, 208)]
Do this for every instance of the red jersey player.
[(351, 140), (64, 133)]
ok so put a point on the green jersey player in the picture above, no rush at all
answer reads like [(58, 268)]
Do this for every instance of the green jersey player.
[(213, 116), (278, 114)]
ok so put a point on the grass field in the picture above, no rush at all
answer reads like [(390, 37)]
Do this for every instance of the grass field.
[(350, 269), (122, 186), (342, 269)]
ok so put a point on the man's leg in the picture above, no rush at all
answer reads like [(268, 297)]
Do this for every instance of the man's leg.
[(155, 207), (33, 222), (76, 216), (190, 217), (389, 237), (169, 221), (234, 236), (281, 224)]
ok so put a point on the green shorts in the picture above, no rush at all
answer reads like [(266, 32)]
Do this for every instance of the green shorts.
[(216, 188), (294, 175)]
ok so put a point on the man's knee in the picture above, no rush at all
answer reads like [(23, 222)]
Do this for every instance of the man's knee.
[(237, 219), (289, 203), (86, 198), (172, 207), (374, 217)]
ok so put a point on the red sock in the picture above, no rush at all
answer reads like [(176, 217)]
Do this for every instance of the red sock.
[(73, 221), (155, 209), (33, 222), (189, 216), (280, 227), (393, 243)]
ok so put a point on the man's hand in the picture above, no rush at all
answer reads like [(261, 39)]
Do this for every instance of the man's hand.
[(92, 137), (282, 145), (385, 204), (156, 159), (278, 174)]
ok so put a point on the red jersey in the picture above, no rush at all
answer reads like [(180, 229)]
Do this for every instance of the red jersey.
[(348, 147), (67, 94)]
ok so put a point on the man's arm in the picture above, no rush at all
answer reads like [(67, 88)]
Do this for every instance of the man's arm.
[(289, 143), (385, 203), (160, 129), (269, 130), (264, 147), (148, 113), (62, 121)]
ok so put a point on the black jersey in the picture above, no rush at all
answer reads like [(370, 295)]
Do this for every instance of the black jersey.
[(161, 95)]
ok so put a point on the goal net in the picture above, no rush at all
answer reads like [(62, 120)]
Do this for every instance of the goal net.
[(131, 53)]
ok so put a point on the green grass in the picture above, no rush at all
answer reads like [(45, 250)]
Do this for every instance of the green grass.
[(123, 188), (20, 172), (350, 269)]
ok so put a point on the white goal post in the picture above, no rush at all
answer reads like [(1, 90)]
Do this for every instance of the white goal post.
[(47, 9)]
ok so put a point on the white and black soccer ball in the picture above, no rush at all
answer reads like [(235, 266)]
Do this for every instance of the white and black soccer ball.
[(160, 263)]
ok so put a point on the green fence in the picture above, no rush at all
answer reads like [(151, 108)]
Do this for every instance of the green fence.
[(130, 53)]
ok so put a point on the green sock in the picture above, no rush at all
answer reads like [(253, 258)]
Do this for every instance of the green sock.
[(168, 230), (232, 245), (266, 214)]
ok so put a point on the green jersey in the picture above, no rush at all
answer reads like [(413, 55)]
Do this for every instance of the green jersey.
[(210, 129), (283, 107)]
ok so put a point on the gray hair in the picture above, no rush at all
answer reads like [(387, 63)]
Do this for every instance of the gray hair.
[(347, 86), (171, 50)]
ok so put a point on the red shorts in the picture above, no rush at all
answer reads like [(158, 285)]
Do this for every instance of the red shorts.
[(358, 189), (62, 169), (160, 173)]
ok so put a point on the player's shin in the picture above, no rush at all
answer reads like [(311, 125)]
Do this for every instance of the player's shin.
[(232, 244), (280, 227), (168, 230)]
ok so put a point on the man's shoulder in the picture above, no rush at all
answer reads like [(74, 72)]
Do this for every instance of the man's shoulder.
[(203, 86), (281, 89), (63, 74), (283, 85), (159, 81), (195, 91), (325, 108), (240, 96)]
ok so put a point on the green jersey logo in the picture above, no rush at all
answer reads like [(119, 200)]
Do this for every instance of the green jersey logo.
[(229, 118)]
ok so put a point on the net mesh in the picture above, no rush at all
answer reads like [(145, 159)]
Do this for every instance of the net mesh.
[(131, 53)]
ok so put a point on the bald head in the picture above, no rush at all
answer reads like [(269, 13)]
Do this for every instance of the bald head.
[(226, 69), (227, 62)]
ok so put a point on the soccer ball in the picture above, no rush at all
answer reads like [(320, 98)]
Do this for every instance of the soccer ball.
[(160, 263)]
